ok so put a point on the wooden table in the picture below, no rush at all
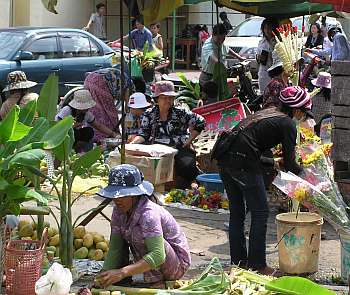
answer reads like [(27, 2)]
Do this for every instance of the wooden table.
[(185, 47)]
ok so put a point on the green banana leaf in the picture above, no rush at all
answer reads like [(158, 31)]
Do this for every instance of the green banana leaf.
[(57, 134), (220, 77), (86, 161), (296, 286), (48, 98), (27, 113)]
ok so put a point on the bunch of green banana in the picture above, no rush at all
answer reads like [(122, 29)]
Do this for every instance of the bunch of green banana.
[(187, 97)]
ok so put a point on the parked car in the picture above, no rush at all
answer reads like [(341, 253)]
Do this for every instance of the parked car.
[(69, 53), (244, 39)]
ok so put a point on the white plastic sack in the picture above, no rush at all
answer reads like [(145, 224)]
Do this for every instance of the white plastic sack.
[(57, 281)]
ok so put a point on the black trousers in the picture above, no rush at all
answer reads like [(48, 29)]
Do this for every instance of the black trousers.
[(186, 167)]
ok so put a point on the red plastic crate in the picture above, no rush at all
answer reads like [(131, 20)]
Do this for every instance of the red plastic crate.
[(222, 115)]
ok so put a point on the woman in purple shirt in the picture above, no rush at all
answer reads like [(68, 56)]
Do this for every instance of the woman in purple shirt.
[(158, 245)]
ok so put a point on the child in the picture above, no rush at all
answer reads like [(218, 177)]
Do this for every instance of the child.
[(137, 105), (210, 92), (157, 38)]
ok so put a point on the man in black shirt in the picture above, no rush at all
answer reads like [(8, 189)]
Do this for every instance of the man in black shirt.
[(241, 172)]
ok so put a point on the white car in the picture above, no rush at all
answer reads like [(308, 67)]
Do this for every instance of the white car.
[(244, 39)]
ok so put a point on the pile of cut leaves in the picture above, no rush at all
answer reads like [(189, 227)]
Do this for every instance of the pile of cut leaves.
[(214, 280)]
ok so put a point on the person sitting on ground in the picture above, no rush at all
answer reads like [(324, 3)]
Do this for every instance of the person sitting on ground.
[(210, 92), (84, 121), (225, 20), (156, 37), (17, 92), (159, 246), (172, 126), (315, 38), (140, 35), (137, 105), (140, 86), (96, 25), (280, 80)]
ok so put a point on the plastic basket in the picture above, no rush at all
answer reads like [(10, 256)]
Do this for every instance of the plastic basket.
[(23, 265), (212, 182), (222, 115)]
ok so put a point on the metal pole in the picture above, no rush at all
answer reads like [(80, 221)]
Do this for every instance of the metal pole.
[(122, 82), (212, 14), (217, 13), (173, 42)]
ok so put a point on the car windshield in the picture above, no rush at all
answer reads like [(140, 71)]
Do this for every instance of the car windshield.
[(9, 43), (249, 28)]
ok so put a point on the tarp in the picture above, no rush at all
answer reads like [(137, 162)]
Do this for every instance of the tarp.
[(276, 8), (156, 10)]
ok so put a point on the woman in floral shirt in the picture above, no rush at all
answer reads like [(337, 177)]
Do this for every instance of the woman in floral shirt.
[(172, 126)]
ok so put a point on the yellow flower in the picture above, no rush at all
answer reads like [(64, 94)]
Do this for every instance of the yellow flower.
[(300, 194), (205, 207), (225, 204), (169, 199)]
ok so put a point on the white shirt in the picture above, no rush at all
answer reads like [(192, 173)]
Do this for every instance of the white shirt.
[(210, 47)]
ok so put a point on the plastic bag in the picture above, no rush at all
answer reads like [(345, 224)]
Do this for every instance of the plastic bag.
[(57, 281), (136, 70)]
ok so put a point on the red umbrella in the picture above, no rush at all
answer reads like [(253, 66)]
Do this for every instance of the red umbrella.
[(338, 5)]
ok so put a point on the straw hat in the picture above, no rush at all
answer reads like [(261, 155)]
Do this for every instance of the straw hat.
[(18, 80), (138, 101), (82, 100)]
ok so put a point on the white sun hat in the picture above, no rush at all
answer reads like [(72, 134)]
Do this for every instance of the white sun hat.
[(138, 101), (82, 100)]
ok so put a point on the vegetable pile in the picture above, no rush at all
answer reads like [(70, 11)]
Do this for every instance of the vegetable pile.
[(198, 198)]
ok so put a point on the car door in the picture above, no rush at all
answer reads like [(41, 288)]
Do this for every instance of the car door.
[(79, 56), (46, 58)]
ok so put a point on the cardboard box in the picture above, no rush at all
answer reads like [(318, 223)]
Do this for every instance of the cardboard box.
[(156, 169)]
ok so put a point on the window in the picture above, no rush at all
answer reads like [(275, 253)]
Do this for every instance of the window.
[(95, 49), (76, 45), (249, 28), (9, 42), (44, 48)]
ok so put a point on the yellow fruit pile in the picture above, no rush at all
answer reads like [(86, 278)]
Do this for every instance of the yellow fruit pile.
[(89, 245), (86, 245)]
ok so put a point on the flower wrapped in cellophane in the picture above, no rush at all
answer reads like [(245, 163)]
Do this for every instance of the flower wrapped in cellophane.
[(315, 198)]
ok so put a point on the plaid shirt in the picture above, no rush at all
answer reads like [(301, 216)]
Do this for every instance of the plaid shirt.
[(140, 37), (135, 129)]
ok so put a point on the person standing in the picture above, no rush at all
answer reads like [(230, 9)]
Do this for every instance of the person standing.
[(96, 24), (156, 36), (225, 20), (214, 52), (241, 171), (315, 39), (265, 49), (140, 35), (340, 49)]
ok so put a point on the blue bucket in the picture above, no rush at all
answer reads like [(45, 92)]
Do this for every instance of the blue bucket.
[(212, 182)]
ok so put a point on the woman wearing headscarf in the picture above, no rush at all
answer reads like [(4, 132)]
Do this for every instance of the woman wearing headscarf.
[(105, 88), (158, 245)]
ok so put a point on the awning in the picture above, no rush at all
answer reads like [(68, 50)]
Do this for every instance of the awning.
[(338, 5), (276, 8)]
